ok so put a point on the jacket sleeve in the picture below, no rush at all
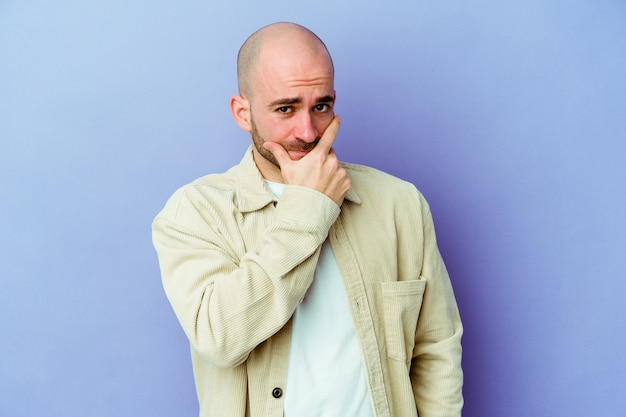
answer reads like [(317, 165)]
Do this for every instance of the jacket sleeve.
[(229, 300), (436, 373)]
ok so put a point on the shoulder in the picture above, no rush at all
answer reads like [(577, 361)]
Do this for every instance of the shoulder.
[(369, 174), (368, 181), (200, 194)]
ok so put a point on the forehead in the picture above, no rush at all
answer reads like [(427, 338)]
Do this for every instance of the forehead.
[(293, 65), (287, 58)]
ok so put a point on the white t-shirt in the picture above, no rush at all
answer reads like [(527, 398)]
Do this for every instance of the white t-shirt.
[(326, 375)]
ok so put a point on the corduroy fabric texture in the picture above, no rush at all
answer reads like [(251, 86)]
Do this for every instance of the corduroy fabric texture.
[(236, 261)]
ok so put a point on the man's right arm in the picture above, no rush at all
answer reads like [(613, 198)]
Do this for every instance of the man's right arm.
[(229, 299)]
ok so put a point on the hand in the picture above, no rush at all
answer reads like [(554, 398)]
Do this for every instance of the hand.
[(319, 169)]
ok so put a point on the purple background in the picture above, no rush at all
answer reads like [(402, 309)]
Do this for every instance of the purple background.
[(509, 116)]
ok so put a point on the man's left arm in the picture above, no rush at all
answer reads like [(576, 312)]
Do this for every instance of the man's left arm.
[(436, 374)]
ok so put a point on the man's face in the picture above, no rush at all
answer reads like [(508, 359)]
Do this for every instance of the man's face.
[(292, 104)]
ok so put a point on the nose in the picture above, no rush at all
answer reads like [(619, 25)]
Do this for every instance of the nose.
[(305, 129)]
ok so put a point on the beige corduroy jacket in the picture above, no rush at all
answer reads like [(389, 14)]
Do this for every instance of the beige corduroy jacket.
[(236, 261)]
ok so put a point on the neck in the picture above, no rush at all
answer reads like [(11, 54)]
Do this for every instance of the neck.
[(268, 170)]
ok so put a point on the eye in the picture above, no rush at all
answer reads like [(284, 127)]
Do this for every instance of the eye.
[(284, 109), (322, 107)]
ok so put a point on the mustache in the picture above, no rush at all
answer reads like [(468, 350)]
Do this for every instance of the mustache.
[(300, 145)]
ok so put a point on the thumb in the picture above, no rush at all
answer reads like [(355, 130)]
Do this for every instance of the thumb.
[(278, 151)]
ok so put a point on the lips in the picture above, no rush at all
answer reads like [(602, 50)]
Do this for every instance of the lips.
[(295, 154), (301, 149)]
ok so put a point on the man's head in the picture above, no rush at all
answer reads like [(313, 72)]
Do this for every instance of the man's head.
[(250, 51), (286, 92)]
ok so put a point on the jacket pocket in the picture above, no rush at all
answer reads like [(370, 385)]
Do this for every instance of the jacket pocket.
[(402, 301)]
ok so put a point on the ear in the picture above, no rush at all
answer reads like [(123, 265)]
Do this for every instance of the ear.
[(240, 108)]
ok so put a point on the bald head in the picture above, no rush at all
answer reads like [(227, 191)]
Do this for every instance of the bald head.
[(290, 38)]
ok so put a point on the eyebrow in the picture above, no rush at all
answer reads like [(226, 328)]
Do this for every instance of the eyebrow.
[(297, 100)]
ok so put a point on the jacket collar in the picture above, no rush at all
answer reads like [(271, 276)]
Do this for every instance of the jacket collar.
[(252, 192)]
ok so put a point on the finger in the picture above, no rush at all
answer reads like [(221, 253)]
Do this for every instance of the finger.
[(329, 136), (278, 151)]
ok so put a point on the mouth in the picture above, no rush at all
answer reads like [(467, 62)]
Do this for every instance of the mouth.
[(297, 154), (301, 150)]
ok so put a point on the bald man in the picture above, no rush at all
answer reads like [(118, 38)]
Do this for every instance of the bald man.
[(307, 286)]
